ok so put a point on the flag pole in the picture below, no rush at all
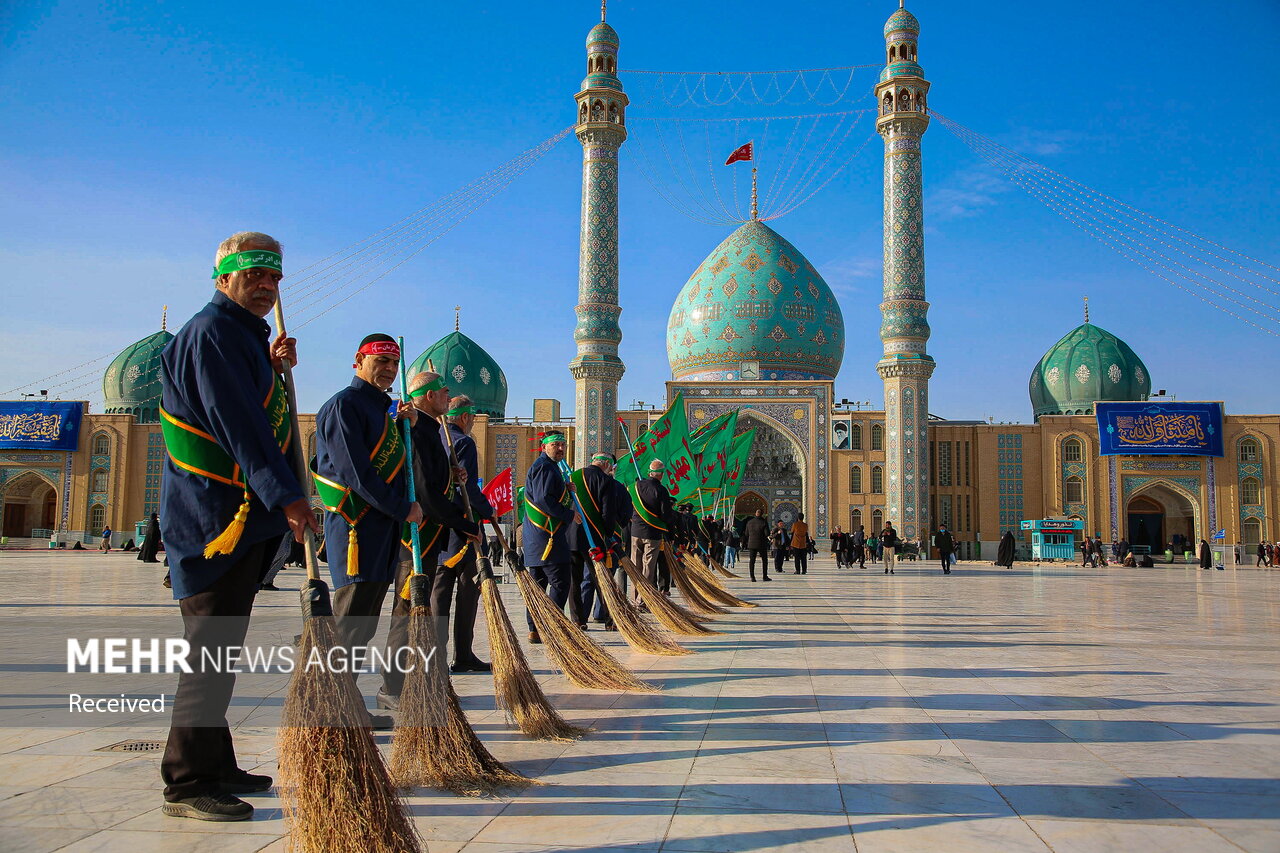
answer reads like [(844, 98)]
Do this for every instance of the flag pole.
[(755, 208)]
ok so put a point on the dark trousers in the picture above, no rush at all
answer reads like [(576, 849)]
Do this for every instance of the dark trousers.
[(763, 554), (398, 633), (801, 558), (199, 752), (463, 577), (555, 579), (946, 560), (582, 587), (779, 554)]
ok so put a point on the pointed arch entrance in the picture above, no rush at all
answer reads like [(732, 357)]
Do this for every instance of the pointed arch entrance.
[(776, 467), (30, 503), (1160, 511), (748, 503)]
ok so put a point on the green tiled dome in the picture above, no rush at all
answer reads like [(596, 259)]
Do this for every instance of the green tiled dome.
[(131, 385), (1087, 365), (469, 370), (755, 299)]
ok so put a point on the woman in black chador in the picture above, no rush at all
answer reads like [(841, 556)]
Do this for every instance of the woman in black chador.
[(1206, 556), (1004, 554), (151, 545)]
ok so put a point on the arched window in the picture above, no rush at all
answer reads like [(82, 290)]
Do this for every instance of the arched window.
[(1250, 450), (855, 437), (893, 52), (855, 479), (877, 521), (1073, 493), (97, 519), (904, 100), (101, 444), (597, 110), (877, 480), (1250, 491), (855, 520), (877, 437), (98, 482), (1251, 531), (1072, 450), (582, 114), (887, 106), (613, 113)]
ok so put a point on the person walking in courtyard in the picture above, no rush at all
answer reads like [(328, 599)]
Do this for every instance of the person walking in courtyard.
[(778, 539), (889, 543), (800, 545), (837, 547), (946, 544), (151, 545), (731, 544), (105, 544), (755, 538), (859, 541), (1262, 556), (1206, 555), (1005, 551)]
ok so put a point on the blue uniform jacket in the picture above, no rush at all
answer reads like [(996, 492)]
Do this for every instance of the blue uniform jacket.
[(546, 488), (215, 375), (600, 485), (348, 427), (623, 510), (464, 446)]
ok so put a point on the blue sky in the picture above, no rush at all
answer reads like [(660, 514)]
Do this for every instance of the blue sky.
[(135, 135)]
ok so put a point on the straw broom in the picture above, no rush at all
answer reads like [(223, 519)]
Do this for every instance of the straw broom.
[(666, 611), (517, 691), (707, 583), (679, 575), (334, 787), (444, 753)]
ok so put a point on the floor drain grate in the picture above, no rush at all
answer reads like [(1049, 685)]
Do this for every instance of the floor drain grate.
[(132, 746)]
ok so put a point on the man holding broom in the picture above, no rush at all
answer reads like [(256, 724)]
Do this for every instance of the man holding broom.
[(546, 518), (360, 476), (596, 496), (434, 478), (227, 496), (655, 520)]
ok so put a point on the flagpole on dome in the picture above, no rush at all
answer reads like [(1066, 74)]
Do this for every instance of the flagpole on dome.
[(755, 207)]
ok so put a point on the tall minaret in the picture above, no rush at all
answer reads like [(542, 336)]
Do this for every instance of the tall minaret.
[(905, 366), (601, 129)]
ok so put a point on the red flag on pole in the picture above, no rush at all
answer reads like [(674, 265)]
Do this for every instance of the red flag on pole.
[(498, 492), (743, 152)]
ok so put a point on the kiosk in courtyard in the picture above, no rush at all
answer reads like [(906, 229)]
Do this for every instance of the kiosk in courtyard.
[(1053, 538)]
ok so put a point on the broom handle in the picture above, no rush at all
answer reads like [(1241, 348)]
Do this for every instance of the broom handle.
[(414, 542), (568, 473), (453, 457), (299, 457)]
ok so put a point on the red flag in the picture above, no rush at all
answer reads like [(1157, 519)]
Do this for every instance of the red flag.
[(744, 152), (498, 492)]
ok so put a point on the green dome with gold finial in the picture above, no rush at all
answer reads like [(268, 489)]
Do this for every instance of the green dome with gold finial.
[(131, 385), (1089, 364), (468, 369)]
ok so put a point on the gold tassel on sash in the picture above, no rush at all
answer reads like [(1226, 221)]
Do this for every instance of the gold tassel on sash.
[(353, 553), (457, 558), (227, 540)]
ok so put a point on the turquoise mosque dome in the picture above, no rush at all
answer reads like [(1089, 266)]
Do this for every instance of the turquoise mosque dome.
[(755, 309), (467, 369), (1089, 364), (131, 385), (602, 33), (901, 21)]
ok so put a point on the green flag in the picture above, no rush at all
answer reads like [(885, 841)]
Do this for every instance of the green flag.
[(722, 424), (736, 467), (634, 465)]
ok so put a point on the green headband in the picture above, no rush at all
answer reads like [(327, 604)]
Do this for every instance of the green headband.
[(248, 260), (602, 457), (434, 385), (552, 438), (461, 410)]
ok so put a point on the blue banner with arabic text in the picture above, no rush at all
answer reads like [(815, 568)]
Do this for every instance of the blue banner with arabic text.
[(1165, 429), (40, 426)]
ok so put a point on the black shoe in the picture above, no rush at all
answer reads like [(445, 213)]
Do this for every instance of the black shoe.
[(222, 807), (582, 626), (608, 626), (474, 664), (269, 586), (534, 638), (891, 571), (385, 701), (381, 722), (886, 571), (168, 584), (766, 577), (242, 782), (753, 578)]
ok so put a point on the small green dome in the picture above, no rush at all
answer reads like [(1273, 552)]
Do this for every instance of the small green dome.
[(602, 33), (1089, 364), (131, 385), (469, 370), (900, 21), (755, 299)]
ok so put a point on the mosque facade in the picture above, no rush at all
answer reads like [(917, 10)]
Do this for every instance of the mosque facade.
[(756, 328)]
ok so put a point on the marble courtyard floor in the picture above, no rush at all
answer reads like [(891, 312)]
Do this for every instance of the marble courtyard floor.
[(1039, 708)]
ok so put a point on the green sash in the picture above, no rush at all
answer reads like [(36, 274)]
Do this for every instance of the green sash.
[(646, 515), (590, 508), (543, 521), (194, 450), (428, 530), (387, 458)]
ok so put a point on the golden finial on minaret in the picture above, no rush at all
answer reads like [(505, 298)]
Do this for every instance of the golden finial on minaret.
[(457, 318), (755, 207), (602, 9), (1086, 309), (164, 319)]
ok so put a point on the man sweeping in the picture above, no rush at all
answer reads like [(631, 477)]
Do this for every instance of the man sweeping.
[(655, 520), (547, 515), (360, 476), (227, 496), (462, 574), (596, 496), (434, 478)]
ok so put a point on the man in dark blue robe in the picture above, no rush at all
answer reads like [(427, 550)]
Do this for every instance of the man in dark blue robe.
[(548, 514), (215, 376), (601, 495), (359, 451)]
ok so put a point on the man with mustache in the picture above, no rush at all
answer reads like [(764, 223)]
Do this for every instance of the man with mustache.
[(360, 476)]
